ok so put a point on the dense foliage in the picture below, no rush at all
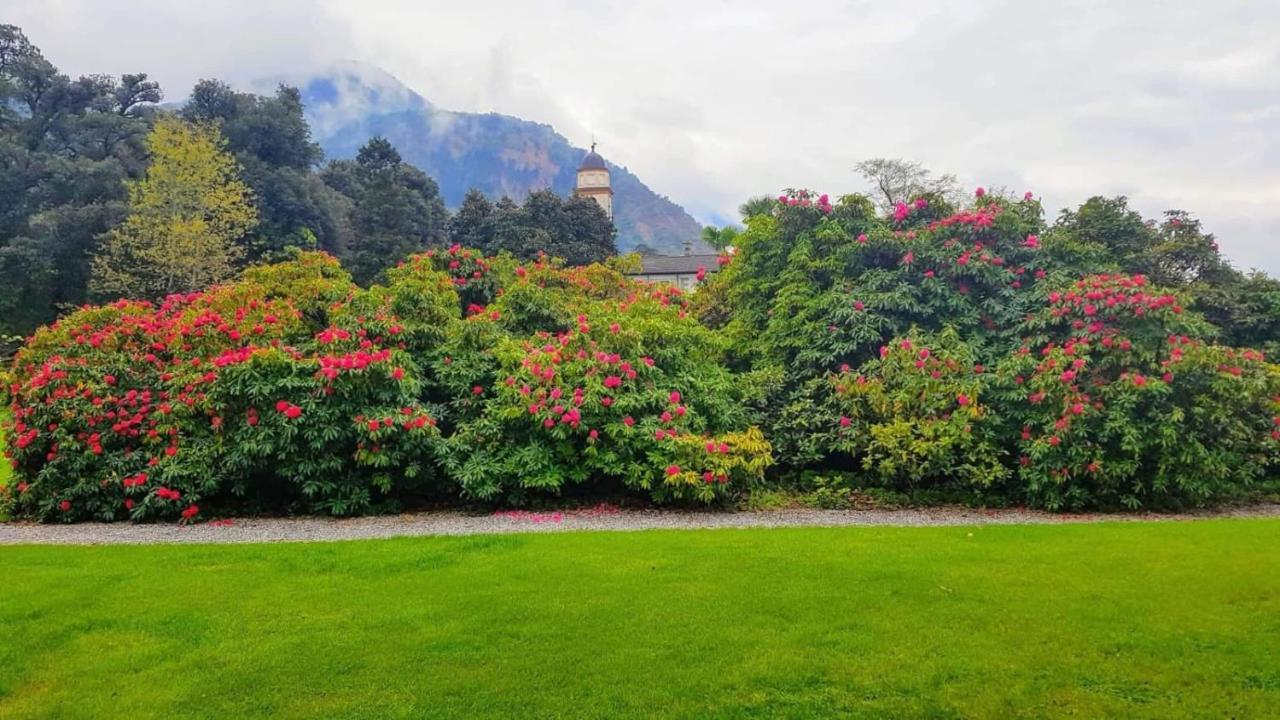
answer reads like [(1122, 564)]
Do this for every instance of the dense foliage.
[(979, 350), (575, 229), (295, 389), (74, 160), (934, 344)]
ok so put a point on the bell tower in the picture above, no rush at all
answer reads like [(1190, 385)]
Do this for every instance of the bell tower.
[(593, 181)]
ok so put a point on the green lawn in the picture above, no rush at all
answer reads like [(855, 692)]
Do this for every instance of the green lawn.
[(1123, 620)]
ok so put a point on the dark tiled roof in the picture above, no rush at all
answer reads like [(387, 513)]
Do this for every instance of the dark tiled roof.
[(677, 264), (593, 161)]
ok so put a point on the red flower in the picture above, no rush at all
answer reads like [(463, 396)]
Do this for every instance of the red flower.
[(673, 470), (293, 412), (190, 512), (64, 506), (612, 381), (962, 399), (845, 421), (628, 421)]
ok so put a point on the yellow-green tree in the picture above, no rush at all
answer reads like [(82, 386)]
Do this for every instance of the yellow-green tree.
[(186, 218)]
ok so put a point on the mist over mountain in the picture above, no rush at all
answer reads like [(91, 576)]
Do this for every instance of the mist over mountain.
[(347, 104)]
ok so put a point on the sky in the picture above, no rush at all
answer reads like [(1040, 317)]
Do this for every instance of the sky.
[(1174, 103)]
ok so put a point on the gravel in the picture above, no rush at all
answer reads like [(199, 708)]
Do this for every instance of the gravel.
[(600, 518)]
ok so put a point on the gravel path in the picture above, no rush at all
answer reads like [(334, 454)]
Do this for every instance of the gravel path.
[(603, 517)]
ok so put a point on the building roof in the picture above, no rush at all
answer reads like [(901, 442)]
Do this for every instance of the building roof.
[(592, 161), (677, 264)]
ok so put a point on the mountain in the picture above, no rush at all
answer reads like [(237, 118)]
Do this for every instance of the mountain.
[(499, 154)]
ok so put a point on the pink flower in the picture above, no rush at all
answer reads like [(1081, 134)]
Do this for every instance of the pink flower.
[(190, 512), (612, 381), (858, 305), (673, 470), (962, 399), (1032, 241), (64, 506), (845, 421), (628, 421), (862, 239), (979, 192), (293, 412)]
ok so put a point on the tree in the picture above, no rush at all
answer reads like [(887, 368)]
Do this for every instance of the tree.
[(66, 148), (758, 205), (470, 226), (396, 209), (720, 238), (590, 233), (270, 139), (186, 220), (894, 181)]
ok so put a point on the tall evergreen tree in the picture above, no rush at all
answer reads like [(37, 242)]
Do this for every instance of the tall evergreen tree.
[(396, 208)]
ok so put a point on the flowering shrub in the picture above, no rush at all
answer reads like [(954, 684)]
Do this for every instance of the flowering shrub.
[(916, 416), (1121, 406), (293, 389), (1080, 412), (932, 348), (630, 388), (244, 394)]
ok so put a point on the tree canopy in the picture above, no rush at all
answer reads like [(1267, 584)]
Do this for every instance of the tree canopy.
[(186, 218)]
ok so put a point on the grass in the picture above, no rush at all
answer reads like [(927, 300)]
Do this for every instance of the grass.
[(1160, 620)]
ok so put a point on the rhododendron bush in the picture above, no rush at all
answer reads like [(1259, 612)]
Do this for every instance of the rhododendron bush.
[(293, 389), (981, 348), (1116, 401), (917, 416), (930, 348)]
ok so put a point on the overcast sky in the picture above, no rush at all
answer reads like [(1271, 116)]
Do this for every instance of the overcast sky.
[(1175, 103)]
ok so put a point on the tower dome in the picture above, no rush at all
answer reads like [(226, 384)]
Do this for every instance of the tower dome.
[(593, 181), (592, 160)]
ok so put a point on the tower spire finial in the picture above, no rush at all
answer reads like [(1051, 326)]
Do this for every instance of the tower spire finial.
[(593, 142)]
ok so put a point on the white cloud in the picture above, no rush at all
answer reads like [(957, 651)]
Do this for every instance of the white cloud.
[(1171, 101)]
